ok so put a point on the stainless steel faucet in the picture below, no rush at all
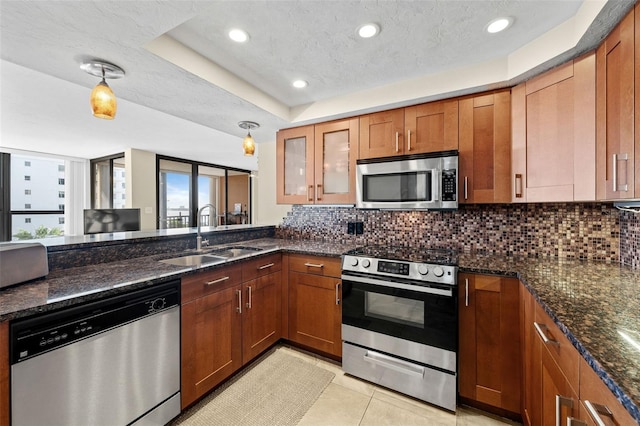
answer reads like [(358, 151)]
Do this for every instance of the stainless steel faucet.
[(212, 215)]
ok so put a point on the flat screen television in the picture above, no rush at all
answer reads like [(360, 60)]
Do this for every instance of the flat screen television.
[(97, 221)]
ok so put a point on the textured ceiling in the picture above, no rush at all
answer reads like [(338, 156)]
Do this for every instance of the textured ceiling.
[(187, 85)]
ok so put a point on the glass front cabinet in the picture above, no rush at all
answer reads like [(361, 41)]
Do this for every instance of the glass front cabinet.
[(316, 164)]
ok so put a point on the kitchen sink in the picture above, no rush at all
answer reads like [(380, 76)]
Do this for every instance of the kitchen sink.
[(235, 251), (194, 260)]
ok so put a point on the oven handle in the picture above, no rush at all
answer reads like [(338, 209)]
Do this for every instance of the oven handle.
[(401, 286), (394, 364)]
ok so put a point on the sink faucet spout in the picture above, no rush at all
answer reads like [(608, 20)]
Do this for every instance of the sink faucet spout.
[(212, 215)]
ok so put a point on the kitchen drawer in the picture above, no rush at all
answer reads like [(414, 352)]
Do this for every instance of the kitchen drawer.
[(204, 283), (559, 347), (593, 389), (317, 265), (264, 265)]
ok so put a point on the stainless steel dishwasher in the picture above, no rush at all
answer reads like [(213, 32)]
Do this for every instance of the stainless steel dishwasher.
[(115, 361)]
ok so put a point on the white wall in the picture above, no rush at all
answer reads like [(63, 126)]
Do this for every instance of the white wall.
[(140, 174), (267, 212)]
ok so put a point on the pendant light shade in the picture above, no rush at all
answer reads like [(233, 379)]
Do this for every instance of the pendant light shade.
[(103, 101), (248, 144)]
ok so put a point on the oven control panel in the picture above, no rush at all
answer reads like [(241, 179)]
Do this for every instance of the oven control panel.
[(426, 272)]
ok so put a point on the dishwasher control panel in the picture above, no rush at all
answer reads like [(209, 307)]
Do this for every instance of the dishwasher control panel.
[(36, 335)]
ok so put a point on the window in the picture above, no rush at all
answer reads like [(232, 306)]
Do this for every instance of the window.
[(187, 186), (108, 182), (36, 212), (60, 181)]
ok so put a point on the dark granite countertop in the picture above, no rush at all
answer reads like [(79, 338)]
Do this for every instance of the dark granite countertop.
[(595, 304)]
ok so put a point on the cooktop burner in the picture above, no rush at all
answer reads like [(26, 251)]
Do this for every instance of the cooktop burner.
[(439, 256)]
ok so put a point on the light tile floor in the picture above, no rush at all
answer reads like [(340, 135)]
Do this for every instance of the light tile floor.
[(349, 401)]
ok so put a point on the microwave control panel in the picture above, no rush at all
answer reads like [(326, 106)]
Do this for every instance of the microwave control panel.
[(449, 185)]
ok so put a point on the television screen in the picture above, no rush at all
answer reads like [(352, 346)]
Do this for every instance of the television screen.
[(97, 221)]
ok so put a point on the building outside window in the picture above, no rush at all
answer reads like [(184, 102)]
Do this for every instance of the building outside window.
[(42, 199), (60, 181)]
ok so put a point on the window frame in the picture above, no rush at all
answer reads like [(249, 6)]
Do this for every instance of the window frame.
[(92, 163)]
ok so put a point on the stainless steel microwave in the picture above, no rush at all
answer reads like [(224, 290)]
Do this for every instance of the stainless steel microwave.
[(411, 182)]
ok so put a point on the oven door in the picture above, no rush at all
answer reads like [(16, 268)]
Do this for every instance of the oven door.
[(426, 314)]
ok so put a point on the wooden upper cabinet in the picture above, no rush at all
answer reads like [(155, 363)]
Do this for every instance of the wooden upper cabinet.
[(316, 164), (429, 127), (336, 149), (485, 148), (381, 134), (616, 178), (295, 165), (553, 134)]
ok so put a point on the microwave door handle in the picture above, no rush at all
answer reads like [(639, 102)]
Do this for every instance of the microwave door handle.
[(435, 185)]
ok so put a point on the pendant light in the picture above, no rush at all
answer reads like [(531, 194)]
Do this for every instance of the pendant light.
[(248, 144), (103, 101)]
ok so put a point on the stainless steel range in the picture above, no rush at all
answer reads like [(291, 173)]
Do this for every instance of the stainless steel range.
[(400, 320)]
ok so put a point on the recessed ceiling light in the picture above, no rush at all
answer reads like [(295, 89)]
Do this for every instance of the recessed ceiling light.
[(300, 84), (238, 35), (368, 30), (499, 24)]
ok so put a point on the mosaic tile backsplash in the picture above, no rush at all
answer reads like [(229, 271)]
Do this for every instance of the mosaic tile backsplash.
[(589, 231)]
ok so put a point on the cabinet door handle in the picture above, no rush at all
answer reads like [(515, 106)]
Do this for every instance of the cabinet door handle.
[(337, 293), (397, 136), (318, 187), (309, 189), (249, 297), (466, 292), (314, 265), (560, 401), (515, 185), (219, 280), (571, 421), (408, 140), (268, 265), (596, 410), (543, 334), (466, 185), (616, 186), (239, 308)]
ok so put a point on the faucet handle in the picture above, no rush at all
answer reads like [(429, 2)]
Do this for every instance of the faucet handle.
[(205, 242)]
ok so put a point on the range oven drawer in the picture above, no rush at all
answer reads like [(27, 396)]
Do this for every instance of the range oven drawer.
[(420, 381)]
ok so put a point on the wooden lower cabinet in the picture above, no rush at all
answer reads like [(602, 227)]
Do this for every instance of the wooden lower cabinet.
[(261, 323), (226, 323), (211, 342), (489, 341), (4, 373), (315, 312)]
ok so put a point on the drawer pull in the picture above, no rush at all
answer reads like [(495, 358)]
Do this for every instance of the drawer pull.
[(268, 265), (543, 334), (219, 280), (596, 410), (314, 265), (394, 364), (560, 401), (466, 292)]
